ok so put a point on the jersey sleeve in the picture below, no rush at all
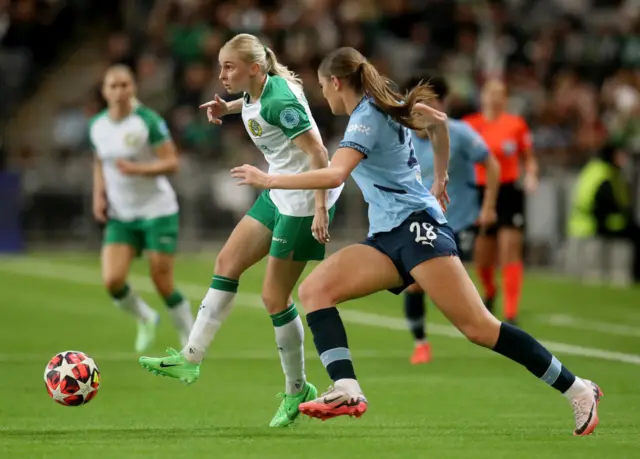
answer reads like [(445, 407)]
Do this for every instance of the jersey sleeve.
[(360, 133), (158, 129), (287, 113), (524, 137), (474, 146)]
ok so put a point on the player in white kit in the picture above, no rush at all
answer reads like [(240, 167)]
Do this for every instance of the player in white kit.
[(288, 226), (133, 198)]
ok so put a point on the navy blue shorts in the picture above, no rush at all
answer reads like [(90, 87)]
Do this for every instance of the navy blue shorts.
[(418, 239), (465, 240)]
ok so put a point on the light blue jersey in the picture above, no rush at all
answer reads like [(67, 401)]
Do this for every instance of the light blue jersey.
[(466, 149), (389, 175)]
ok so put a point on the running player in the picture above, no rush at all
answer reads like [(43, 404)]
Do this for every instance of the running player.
[(408, 241), (131, 194), (288, 226), (466, 149), (500, 244)]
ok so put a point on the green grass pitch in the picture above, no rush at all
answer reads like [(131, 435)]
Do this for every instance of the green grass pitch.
[(467, 403)]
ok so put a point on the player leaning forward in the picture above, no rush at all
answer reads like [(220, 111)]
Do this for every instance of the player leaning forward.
[(132, 195), (288, 226)]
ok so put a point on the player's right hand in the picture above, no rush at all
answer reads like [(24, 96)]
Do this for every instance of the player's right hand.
[(100, 209), (216, 109)]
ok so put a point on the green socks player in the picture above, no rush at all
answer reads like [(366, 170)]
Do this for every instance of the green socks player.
[(290, 342), (215, 307), (147, 318)]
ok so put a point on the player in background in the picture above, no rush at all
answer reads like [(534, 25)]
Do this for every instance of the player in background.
[(465, 210), (501, 244), (409, 240), (288, 226), (132, 195)]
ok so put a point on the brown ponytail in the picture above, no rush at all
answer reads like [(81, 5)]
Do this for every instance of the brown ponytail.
[(351, 66)]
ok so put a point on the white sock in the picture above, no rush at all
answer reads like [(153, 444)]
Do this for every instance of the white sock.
[(215, 307), (290, 342), (578, 388), (182, 318), (135, 306)]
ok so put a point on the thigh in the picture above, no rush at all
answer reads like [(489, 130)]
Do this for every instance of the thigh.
[(248, 243), (123, 233), (161, 234), (353, 272), (293, 239), (447, 283), (116, 260), (509, 245)]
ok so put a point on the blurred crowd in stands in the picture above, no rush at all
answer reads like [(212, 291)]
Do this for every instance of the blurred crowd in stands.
[(572, 66)]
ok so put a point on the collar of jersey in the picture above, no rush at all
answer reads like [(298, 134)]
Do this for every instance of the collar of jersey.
[(247, 97)]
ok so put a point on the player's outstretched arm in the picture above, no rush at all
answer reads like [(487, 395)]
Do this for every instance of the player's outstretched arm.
[(217, 108), (342, 164), (311, 143)]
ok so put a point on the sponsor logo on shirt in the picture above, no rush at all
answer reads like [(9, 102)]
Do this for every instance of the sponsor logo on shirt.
[(254, 127), (361, 128), (131, 139)]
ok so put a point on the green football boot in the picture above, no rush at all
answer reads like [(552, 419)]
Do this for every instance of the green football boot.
[(175, 365), (288, 410)]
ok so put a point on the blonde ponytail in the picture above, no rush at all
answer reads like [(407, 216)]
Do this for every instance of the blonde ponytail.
[(252, 51), (276, 68)]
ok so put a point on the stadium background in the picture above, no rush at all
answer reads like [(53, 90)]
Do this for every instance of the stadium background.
[(573, 68)]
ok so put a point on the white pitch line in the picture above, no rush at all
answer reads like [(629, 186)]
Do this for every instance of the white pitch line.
[(567, 321), (84, 276)]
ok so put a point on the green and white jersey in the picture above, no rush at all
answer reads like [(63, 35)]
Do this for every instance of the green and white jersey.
[(273, 121), (132, 197)]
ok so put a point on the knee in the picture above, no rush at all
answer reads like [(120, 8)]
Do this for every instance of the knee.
[(414, 289), (274, 302), (226, 265), (316, 294), (483, 332), (114, 282)]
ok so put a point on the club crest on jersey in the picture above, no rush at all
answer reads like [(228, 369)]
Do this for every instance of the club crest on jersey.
[(131, 139), (509, 147), (254, 127), (289, 118)]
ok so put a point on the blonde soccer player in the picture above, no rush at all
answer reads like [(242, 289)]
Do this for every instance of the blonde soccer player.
[(132, 196), (288, 227)]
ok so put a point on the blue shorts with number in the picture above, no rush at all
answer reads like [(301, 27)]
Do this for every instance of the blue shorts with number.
[(418, 239)]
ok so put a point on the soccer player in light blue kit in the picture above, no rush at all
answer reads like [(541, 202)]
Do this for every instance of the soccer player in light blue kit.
[(409, 240), (465, 210)]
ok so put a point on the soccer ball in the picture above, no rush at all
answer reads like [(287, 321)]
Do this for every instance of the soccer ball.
[(72, 378)]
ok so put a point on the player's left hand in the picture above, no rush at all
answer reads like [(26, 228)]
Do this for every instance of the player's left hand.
[(250, 175), (530, 183), (127, 167), (431, 115), (439, 191), (320, 226)]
